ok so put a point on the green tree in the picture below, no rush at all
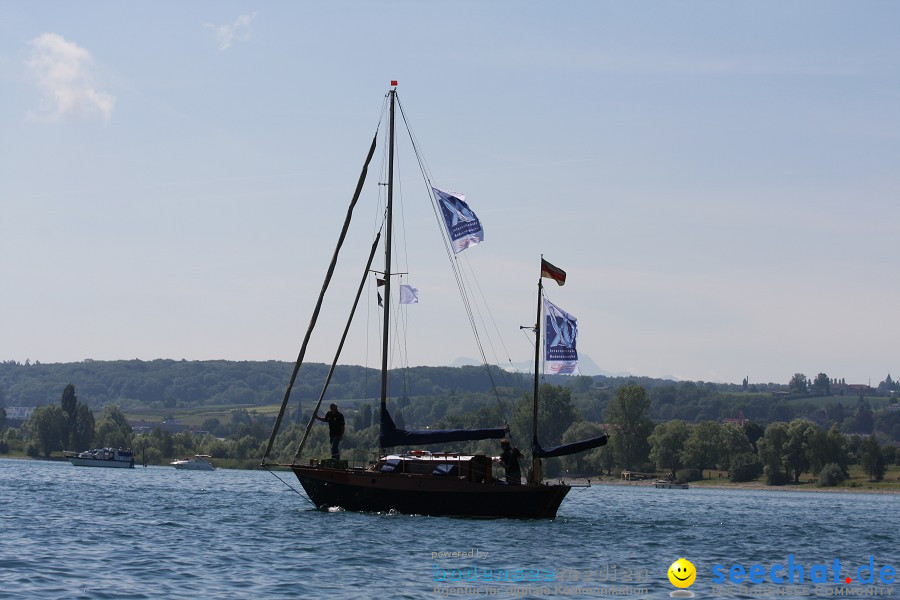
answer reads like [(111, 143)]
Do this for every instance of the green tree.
[(582, 462), (744, 466), (212, 425), (555, 415), (705, 447), (822, 385), (887, 386), (771, 452), (607, 458), (82, 432), (734, 442), (872, 459), (754, 432), (796, 448), (627, 415), (831, 475), (113, 429), (69, 402), (798, 384), (864, 421), (667, 445), (48, 425), (164, 442), (2, 419), (184, 442), (829, 448)]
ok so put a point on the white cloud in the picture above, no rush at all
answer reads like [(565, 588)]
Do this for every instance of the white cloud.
[(239, 31), (62, 70)]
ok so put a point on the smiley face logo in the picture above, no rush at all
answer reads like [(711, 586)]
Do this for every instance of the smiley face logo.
[(682, 573)]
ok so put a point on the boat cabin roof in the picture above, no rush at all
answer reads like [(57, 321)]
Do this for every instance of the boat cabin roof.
[(474, 467), (424, 455)]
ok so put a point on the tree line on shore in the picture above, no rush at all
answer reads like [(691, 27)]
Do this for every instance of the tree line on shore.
[(180, 385), (781, 451)]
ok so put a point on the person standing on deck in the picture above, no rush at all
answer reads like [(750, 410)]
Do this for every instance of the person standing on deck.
[(335, 422), (510, 456)]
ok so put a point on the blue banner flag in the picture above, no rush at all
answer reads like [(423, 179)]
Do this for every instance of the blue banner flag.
[(463, 226), (560, 334)]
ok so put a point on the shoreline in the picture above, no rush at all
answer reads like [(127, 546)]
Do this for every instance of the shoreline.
[(751, 486), (607, 481)]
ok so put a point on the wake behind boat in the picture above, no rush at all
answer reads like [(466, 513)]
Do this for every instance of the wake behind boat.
[(199, 462), (416, 481), (113, 458)]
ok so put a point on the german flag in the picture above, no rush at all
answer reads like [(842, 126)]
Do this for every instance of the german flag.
[(551, 272)]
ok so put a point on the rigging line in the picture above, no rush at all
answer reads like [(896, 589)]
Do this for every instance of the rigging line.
[(289, 486), (415, 143), (318, 307), (468, 285), (490, 312), (448, 249), (402, 320), (503, 374), (516, 375), (452, 257), (459, 277), (337, 354), (472, 277)]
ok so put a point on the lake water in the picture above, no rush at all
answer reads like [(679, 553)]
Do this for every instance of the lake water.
[(71, 532)]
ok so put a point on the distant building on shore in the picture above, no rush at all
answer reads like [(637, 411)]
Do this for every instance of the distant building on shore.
[(146, 427), (740, 420), (842, 388), (19, 413)]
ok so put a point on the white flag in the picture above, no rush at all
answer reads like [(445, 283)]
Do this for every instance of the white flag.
[(409, 294)]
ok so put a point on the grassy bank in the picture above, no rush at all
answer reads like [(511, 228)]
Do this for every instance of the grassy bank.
[(858, 481)]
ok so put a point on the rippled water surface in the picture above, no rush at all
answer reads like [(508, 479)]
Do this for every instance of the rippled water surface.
[(75, 532)]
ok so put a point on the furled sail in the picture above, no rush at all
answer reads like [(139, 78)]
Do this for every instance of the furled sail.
[(567, 449), (391, 436)]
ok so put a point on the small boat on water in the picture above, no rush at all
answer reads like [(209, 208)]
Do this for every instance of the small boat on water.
[(665, 484), (114, 458), (199, 462)]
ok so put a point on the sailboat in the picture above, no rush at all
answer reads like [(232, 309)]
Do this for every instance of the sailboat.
[(419, 481)]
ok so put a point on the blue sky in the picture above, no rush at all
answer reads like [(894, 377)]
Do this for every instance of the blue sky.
[(720, 180)]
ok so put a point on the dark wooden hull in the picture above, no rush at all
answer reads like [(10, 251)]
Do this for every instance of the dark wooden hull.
[(369, 491)]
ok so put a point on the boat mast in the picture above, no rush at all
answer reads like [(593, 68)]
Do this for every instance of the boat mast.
[(536, 474), (387, 265)]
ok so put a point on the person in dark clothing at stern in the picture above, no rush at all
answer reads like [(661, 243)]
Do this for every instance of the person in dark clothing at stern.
[(335, 422), (510, 456)]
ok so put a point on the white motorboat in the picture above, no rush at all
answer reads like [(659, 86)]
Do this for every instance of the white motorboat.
[(200, 462), (115, 458)]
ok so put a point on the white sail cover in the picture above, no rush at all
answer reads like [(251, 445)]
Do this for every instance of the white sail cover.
[(560, 334), (462, 225)]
